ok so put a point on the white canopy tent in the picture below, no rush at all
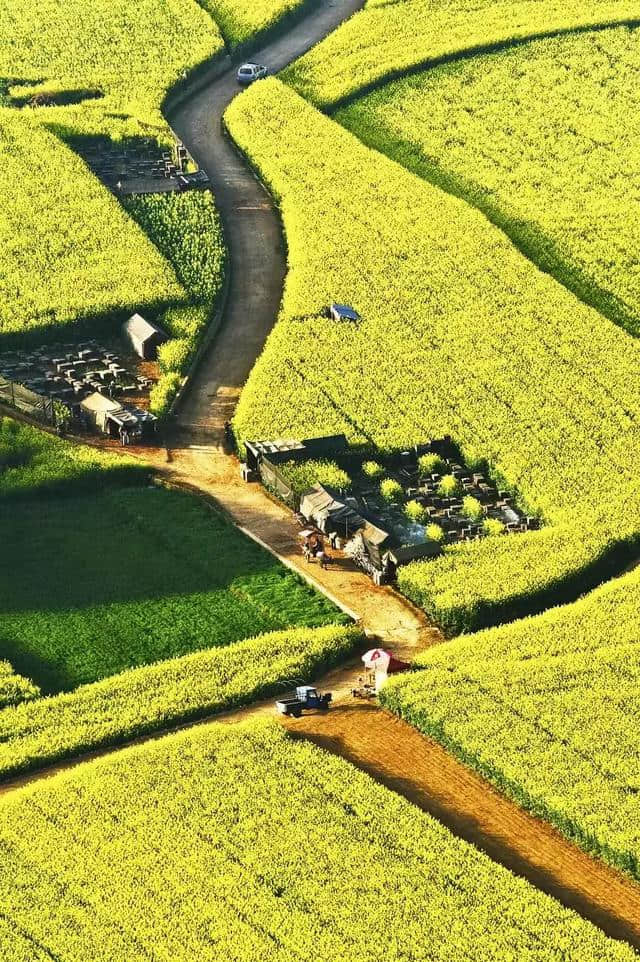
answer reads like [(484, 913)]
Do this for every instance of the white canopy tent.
[(382, 664)]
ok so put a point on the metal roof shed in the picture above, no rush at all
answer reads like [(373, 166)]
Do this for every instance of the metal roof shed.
[(143, 336), (330, 514), (99, 408), (342, 312)]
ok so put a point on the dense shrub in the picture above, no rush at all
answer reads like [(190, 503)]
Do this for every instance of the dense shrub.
[(471, 508), (430, 464), (415, 512), (449, 487), (391, 490), (372, 469)]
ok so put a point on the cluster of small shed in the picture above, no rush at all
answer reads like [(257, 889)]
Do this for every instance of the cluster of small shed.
[(93, 384), (380, 536)]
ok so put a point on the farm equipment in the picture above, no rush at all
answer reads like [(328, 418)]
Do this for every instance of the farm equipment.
[(306, 697), (366, 687)]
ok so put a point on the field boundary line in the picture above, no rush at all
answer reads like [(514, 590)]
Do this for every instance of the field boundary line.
[(464, 53)]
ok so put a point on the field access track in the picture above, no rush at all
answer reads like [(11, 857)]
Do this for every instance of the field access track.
[(257, 260), (388, 749)]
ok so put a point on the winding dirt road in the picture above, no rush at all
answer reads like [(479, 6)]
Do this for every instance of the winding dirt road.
[(257, 260)]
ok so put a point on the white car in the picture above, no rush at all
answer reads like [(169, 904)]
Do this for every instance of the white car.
[(249, 72)]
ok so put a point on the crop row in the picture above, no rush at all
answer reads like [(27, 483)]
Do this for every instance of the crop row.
[(460, 335), (153, 697), (236, 842), (551, 160), (548, 709), (386, 40), (98, 584)]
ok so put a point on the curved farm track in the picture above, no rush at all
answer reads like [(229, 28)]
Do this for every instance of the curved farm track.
[(257, 260), (394, 753)]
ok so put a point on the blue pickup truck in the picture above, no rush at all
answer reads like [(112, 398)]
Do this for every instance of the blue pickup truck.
[(306, 697)]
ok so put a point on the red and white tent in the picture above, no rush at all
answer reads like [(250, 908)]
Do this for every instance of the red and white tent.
[(383, 664)]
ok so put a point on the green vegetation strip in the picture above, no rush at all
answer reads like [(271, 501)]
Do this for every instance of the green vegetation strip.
[(551, 160), (460, 335), (548, 709), (386, 40), (91, 586), (35, 464), (186, 228), (237, 842), (148, 699)]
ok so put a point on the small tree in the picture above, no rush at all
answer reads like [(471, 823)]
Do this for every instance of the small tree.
[(372, 469), (391, 490), (435, 533), (449, 487), (430, 464), (415, 512), (472, 509), (493, 527)]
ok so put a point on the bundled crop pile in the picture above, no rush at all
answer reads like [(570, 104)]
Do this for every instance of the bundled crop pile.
[(93, 585), (552, 160), (387, 39), (548, 709), (33, 463), (460, 335), (155, 696), (235, 842)]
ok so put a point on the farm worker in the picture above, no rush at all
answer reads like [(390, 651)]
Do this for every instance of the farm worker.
[(322, 557)]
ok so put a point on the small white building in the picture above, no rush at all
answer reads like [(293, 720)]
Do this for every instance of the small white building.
[(143, 336), (99, 409)]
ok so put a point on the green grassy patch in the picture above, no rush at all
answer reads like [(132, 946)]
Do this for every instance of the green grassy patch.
[(34, 464), (93, 585)]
